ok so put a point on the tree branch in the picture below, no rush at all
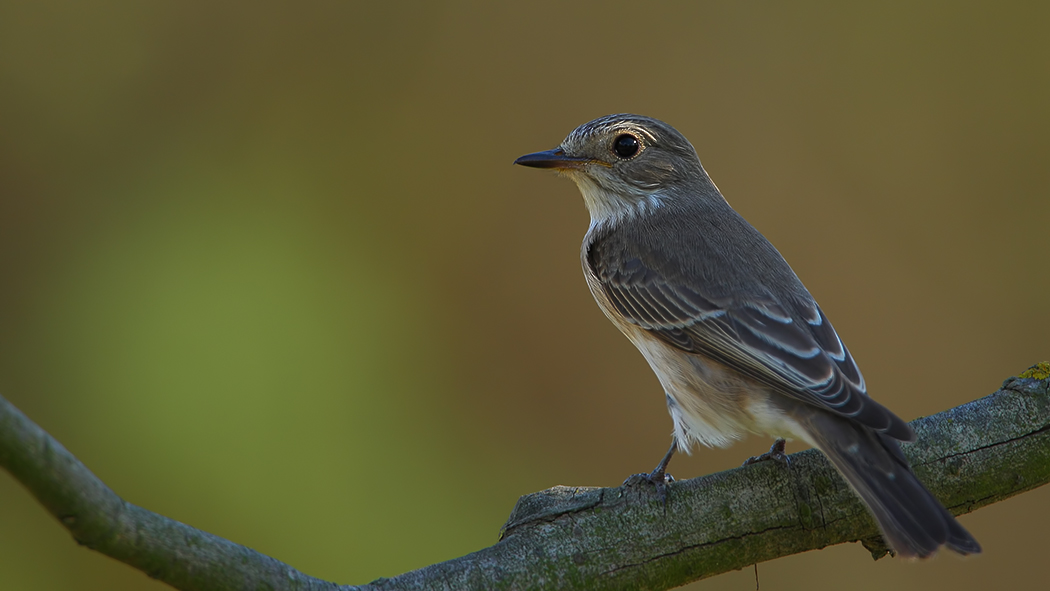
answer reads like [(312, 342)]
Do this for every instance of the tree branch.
[(182, 556), (587, 538)]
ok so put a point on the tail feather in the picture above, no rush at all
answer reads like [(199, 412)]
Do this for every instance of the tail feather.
[(913, 522)]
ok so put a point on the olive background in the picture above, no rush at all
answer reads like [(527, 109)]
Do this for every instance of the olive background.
[(267, 269)]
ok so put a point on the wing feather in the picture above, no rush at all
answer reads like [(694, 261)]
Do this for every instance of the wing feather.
[(789, 346)]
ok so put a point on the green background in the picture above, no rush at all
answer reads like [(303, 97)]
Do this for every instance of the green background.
[(266, 268)]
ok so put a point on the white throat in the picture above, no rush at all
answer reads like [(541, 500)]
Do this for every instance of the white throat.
[(611, 207)]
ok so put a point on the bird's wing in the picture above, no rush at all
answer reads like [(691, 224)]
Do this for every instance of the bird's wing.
[(795, 352)]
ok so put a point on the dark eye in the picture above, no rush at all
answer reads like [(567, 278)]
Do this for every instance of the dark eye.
[(626, 146)]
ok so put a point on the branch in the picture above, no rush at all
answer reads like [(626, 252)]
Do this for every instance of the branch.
[(588, 538), (182, 556)]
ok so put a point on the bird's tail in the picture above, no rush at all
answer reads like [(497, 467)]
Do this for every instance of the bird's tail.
[(913, 522)]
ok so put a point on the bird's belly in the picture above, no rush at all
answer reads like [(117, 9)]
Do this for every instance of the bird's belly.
[(709, 403)]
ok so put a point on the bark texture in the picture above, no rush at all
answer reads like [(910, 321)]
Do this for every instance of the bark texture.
[(589, 538)]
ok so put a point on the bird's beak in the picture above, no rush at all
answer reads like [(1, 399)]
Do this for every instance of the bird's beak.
[(556, 158)]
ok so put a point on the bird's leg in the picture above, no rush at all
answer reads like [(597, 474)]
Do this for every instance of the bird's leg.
[(775, 453), (659, 476)]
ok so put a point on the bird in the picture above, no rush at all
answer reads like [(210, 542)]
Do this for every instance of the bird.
[(738, 343)]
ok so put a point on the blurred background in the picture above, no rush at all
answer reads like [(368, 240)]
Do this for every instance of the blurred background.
[(266, 268)]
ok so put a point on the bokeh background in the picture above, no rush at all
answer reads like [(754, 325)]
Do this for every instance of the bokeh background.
[(267, 269)]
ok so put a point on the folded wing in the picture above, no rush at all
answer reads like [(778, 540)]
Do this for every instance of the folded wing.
[(790, 347)]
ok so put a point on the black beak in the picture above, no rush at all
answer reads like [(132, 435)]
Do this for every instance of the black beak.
[(555, 158)]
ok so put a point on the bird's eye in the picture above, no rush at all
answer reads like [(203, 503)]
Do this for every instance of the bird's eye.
[(626, 146)]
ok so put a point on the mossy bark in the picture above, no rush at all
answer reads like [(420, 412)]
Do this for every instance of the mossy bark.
[(589, 538)]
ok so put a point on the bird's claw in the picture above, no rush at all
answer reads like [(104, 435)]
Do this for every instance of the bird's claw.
[(657, 478), (775, 453)]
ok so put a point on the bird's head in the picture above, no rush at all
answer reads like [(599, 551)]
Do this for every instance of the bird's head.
[(624, 162)]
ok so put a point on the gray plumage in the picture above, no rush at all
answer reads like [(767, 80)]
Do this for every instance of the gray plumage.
[(737, 341)]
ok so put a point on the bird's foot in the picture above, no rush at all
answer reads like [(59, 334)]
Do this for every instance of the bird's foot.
[(657, 478), (775, 453)]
